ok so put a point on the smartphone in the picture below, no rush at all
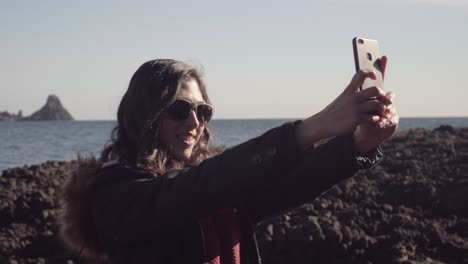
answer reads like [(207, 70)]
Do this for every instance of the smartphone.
[(367, 56)]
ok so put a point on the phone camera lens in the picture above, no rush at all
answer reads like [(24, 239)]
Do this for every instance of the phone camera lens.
[(360, 41)]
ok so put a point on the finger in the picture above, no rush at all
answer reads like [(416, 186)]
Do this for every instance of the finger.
[(359, 78), (383, 65), (395, 118), (383, 123), (369, 118), (390, 95), (369, 93), (389, 112), (388, 122), (388, 98), (390, 109), (375, 107)]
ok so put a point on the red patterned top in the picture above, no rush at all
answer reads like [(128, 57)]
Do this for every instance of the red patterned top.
[(222, 237)]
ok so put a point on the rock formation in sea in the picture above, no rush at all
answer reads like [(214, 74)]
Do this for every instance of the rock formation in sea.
[(411, 208), (52, 110)]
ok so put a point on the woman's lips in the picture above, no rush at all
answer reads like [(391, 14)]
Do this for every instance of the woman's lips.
[(187, 139)]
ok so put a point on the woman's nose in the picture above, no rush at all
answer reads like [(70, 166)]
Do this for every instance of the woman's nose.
[(192, 120)]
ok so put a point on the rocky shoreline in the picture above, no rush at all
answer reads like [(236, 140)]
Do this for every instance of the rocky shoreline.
[(411, 208)]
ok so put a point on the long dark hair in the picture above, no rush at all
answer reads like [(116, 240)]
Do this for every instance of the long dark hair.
[(135, 139)]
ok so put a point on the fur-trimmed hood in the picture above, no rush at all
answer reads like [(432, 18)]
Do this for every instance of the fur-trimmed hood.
[(76, 225)]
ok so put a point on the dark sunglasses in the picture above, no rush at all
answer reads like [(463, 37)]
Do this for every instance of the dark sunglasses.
[(180, 110)]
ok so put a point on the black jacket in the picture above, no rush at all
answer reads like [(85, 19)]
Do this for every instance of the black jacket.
[(136, 217)]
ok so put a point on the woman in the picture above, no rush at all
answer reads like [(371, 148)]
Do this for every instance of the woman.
[(162, 193)]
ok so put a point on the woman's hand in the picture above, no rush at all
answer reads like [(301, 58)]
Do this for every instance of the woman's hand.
[(370, 134), (351, 108)]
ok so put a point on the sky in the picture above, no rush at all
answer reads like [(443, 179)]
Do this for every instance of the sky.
[(260, 59)]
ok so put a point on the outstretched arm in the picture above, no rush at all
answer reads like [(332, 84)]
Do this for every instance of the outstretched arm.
[(361, 119), (319, 169), (369, 114)]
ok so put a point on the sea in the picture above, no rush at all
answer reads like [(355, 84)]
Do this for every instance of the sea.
[(34, 142)]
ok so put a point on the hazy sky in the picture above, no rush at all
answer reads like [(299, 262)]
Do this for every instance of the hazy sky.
[(261, 59)]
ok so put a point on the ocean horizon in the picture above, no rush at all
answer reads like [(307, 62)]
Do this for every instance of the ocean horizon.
[(33, 142)]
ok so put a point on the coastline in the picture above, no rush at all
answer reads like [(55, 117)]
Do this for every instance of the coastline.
[(411, 208)]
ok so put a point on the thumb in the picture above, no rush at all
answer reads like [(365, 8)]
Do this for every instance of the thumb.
[(358, 80)]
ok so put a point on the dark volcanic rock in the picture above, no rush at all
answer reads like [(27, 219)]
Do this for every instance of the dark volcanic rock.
[(27, 213), (52, 110), (412, 208)]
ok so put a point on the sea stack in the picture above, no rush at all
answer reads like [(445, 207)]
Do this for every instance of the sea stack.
[(52, 110)]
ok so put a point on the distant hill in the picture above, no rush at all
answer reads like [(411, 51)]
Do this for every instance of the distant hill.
[(52, 110)]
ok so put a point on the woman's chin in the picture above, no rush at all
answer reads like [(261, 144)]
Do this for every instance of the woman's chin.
[(183, 154)]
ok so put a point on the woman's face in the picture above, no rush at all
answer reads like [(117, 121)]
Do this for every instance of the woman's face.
[(180, 136)]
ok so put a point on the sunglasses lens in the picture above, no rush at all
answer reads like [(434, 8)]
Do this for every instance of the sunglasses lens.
[(204, 113), (179, 110)]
